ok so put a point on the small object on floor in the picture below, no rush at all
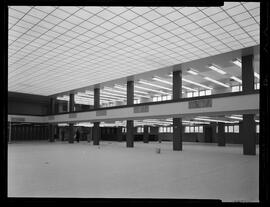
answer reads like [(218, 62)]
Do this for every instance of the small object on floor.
[(46, 162), (158, 150)]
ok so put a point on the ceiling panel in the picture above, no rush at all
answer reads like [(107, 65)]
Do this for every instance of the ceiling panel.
[(57, 49)]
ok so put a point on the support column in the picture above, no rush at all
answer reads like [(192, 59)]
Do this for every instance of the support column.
[(130, 123), (71, 102), (9, 132), (248, 134), (248, 128), (130, 92), (96, 128), (129, 134), (52, 106), (221, 134), (247, 73), (96, 133), (51, 132), (177, 122), (145, 134), (71, 133), (119, 134)]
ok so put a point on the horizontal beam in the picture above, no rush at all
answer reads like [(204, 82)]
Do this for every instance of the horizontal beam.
[(241, 104)]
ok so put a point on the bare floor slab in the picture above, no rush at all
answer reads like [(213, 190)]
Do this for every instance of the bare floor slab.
[(60, 169)]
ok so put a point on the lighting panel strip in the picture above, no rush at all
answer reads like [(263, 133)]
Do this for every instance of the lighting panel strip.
[(148, 89), (154, 85), (170, 83), (215, 120), (236, 79), (217, 82), (218, 70)]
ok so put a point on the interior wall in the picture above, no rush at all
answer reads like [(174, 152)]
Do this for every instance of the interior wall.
[(27, 104)]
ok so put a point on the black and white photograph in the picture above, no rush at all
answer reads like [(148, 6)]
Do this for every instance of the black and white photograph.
[(134, 101)]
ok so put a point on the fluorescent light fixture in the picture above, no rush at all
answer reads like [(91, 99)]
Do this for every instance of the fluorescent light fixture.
[(62, 124), (217, 82), (237, 62), (160, 80), (170, 83), (151, 84), (188, 88), (194, 83), (215, 120), (192, 71), (256, 75), (236, 79), (235, 117), (112, 94), (124, 88), (215, 68), (148, 89), (198, 84), (115, 91)]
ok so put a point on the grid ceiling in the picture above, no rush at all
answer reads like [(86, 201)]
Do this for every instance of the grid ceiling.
[(57, 49)]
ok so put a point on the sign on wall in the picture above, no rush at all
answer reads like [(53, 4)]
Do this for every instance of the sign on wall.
[(141, 109), (202, 103), (101, 113)]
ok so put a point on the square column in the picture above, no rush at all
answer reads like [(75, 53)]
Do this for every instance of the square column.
[(71, 102), (247, 73), (129, 134), (51, 132), (177, 134), (119, 134), (177, 84), (130, 92), (248, 134), (221, 134), (52, 106), (96, 98), (96, 128), (71, 133), (96, 133), (145, 134), (177, 94)]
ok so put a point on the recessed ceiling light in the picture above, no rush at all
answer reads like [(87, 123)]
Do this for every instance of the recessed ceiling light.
[(192, 71), (160, 80), (217, 82), (237, 62), (151, 84), (236, 79), (215, 68), (148, 89)]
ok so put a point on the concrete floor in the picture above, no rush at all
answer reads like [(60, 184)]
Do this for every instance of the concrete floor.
[(59, 169)]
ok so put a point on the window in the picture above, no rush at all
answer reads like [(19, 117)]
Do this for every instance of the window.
[(159, 98), (257, 85), (201, 129), (171, 129), (196, 129), (164, 98), (155, 99), (189, 94), (226, 129), (257, 128), (160, 130), (137, 101), (191, 129), (208, 92), (187, 129), (230, 129), (196, 93), (202, 93), (235, 88), (148, 129), (236, 128), (169, 97)]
